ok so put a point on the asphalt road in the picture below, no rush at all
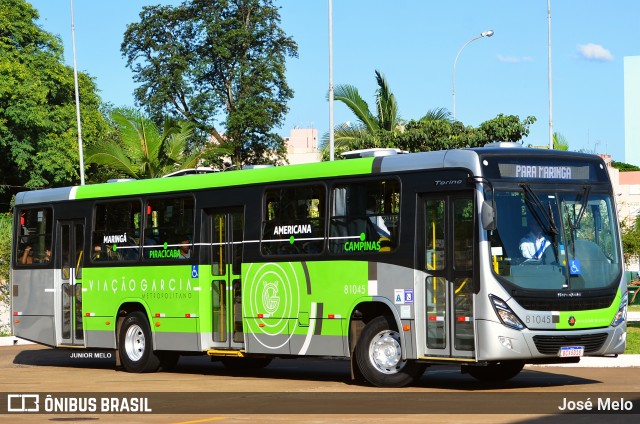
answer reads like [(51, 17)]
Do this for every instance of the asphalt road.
[(297, 390)]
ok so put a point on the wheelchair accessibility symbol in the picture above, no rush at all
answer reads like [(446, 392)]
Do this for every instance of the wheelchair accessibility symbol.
[(194, 271), (574, 267)]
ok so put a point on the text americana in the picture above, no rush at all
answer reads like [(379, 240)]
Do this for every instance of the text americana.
[(292, 229)]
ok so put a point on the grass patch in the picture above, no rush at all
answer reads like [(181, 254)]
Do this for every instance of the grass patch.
[(633, 332), (5, 330), (633, 338)]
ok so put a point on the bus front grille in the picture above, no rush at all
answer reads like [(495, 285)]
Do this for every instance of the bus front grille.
[(565, 304), (550, 345)]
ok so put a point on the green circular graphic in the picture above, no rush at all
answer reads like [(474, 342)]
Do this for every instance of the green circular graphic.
[(362, 236), (273, 293), (291, 240)]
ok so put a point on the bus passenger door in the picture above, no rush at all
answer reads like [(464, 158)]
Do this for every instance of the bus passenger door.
[(69, 258), (445, 253), (226, 235)]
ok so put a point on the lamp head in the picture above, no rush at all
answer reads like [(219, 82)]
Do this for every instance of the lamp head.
[(487, 33)]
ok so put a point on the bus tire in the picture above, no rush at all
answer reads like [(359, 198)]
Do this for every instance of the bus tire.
[(496, 372), (135, 345), (379, 356)]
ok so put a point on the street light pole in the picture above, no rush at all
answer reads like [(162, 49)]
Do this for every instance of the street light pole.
[(483, 34), (549, 74), (75, 79), (331, 135)]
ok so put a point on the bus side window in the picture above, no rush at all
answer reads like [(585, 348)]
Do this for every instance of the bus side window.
[(116, 231), (34, 237), (168, 229), (365, 217), (293, 221)]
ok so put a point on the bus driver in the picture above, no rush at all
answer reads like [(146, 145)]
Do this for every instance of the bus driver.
[(533, 245)]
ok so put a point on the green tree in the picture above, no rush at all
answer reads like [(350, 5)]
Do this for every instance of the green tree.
[(560, 142), (221, 66), (38, 133), (6, 223), (372, 129), (434, 131), (506, 128), (631, 239), (386, 117), (141, 150), (624, 167), (437, 132)]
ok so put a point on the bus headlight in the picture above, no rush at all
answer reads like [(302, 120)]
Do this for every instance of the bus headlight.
[(506, 315), (621, 315)]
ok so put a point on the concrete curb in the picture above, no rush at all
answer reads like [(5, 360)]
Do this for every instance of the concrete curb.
[(13, 341)]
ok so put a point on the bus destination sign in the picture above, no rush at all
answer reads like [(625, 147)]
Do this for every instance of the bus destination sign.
[(543, 172)]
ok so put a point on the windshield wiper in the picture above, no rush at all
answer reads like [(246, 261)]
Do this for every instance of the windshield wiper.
[(583, 206), (574, 224), (549, 224)]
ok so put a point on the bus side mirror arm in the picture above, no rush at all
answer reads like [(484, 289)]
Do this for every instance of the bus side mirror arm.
[(488, 211)]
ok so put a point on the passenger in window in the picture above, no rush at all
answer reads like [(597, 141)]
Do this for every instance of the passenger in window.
[(30, 258), (97, 254), (47, 256), (376, 220), (185, 249), (27, 255)]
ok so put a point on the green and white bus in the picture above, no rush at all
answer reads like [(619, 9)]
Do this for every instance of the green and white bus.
[(396, 262)]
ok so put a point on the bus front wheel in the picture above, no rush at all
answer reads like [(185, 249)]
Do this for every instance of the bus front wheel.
[(135, 345), (379, 356)]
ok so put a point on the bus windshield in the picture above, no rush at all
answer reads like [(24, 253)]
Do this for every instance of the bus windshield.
[(555, 240)]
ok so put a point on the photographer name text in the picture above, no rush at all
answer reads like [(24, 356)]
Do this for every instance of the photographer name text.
[(596, 404)]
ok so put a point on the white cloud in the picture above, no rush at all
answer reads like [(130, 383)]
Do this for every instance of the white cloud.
[(595, 52), (514, 59)]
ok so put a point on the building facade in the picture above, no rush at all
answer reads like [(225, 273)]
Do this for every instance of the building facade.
[(626, 187), (302, 146), (632, 110)]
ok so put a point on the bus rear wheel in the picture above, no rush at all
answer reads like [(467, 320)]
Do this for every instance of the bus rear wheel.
[(379, 356), (135, 345), (495, 372)]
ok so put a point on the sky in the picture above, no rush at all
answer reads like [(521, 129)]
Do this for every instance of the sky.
[(414, 43)]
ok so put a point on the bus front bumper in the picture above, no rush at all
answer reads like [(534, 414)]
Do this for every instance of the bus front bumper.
[(499, 343)]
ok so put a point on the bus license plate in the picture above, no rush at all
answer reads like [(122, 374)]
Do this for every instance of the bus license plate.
[(569, 351)]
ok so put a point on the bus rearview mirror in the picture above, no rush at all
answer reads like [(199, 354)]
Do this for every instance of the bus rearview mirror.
[(488, 216)]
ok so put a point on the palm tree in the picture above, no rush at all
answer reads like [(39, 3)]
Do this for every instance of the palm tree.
[(143, 151), (371, 130), (560, 142), (437, 114)]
